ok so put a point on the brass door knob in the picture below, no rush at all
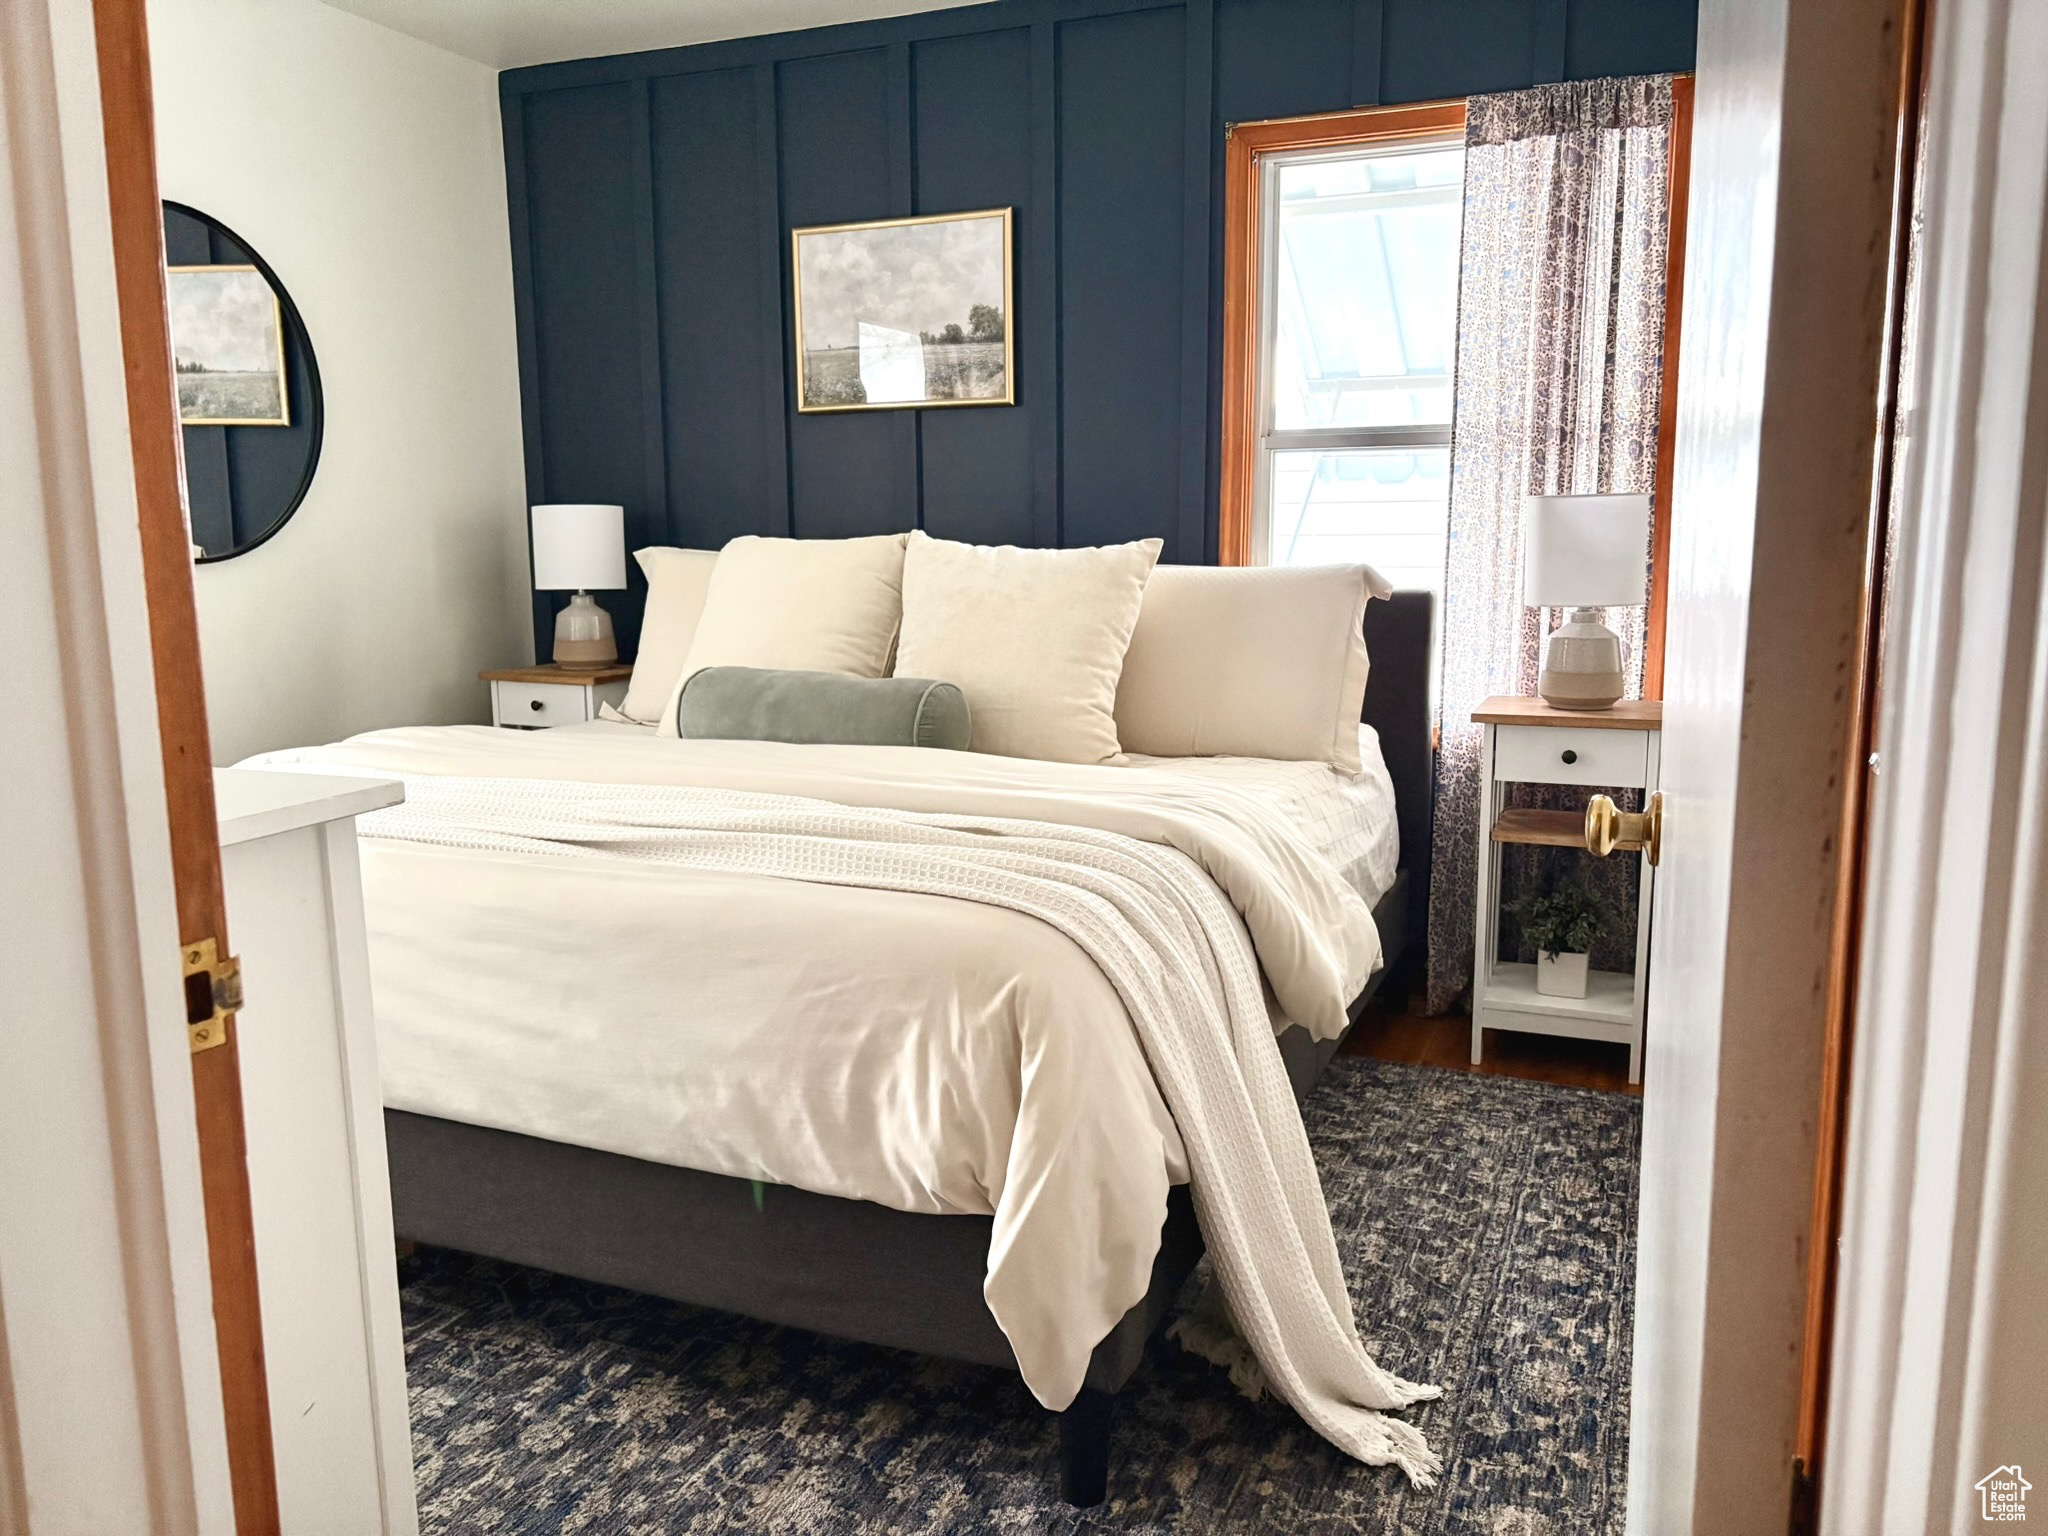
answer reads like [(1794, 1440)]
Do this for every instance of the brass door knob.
[(1608, 827)]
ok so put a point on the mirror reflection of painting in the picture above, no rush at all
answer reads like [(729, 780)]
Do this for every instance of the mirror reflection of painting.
[(227, 342), (249, 394), (909, 312)]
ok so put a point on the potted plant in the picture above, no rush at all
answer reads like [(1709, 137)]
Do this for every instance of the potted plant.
[(1563, 923)]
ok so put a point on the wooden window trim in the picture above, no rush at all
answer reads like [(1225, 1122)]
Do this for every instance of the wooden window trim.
[(1245, 148)]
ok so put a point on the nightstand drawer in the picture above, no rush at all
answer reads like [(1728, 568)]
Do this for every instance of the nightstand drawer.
[(1562, 754), (540, 703)]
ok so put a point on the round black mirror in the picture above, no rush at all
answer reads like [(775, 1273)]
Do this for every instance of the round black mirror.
[(248, 387)]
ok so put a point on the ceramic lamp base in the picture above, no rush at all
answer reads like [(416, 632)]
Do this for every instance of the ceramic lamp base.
[(1581, 664), (583, 636)]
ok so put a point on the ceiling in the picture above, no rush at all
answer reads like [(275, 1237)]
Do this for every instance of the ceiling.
[(508, 33)]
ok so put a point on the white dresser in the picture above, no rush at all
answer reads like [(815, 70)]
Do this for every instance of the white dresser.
[(333, 1342), (1525, 741)]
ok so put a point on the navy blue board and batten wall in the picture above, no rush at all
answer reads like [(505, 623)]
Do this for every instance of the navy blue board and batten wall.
[(652, 197)]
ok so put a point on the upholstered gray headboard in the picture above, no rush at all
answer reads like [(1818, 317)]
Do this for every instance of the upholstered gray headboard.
[(1400, 634)]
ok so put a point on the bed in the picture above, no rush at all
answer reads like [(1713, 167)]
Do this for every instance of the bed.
[(560, 1180)]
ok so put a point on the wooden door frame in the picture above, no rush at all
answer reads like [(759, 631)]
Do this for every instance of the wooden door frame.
[(121, 36), (1859, 787), (1939, 1332), (1245, 149), (110, 1390)]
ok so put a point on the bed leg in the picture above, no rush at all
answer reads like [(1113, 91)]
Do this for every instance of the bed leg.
[(1084, 1449)]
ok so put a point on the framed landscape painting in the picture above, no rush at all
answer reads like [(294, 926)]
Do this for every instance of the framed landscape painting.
[(904, 312), (227, 346)]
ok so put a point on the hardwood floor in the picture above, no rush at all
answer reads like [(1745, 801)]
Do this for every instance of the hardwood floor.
[(1392, 1031)]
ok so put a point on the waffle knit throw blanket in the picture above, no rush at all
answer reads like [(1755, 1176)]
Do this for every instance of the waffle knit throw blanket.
[(1161, 932)]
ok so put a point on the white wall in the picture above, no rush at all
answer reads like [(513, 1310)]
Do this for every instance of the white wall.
[(367, 168)]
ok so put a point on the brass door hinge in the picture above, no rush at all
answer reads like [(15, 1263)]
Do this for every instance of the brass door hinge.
[(213, 991)]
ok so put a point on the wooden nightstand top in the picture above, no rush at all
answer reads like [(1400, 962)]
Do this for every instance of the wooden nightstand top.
[(616, 673), (1628, 715)]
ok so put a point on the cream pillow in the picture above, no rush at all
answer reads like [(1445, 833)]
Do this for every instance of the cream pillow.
[(1249, 661), (676, 583), (1035, 639), (799, 605)]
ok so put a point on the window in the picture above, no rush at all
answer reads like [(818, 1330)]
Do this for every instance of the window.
[(1344, 287), (1360, 292)]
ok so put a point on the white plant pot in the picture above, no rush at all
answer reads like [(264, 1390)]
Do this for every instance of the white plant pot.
[(1560, 975)]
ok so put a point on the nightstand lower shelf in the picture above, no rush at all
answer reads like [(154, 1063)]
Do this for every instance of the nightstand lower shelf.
[(1511, 1001)]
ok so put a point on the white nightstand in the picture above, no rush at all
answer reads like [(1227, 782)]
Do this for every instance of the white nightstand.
[(533, 697), (1528, 742)]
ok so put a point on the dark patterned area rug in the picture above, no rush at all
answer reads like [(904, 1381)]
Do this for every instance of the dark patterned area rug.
[(1488, 1228)]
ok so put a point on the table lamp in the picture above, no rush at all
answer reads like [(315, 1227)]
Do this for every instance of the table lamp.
[(1584, 553), (578, 546)]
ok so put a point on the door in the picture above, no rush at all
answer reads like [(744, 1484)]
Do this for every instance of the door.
[(1779, 398), (123, 51)]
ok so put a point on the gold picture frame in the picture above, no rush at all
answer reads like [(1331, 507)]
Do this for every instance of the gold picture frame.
[(223, 320), (880, 324)]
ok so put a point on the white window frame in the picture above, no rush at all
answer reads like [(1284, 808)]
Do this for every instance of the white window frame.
[(1269, 440)]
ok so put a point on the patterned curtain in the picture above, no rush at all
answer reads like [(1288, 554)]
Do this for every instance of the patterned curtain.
[(1560, 362)]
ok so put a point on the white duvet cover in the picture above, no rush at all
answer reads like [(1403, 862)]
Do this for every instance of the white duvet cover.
[(922, 1051)]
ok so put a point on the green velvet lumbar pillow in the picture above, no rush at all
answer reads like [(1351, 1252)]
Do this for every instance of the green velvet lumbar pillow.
[(759, 704)]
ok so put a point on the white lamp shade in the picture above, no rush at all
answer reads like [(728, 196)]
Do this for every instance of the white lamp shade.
[(1585, 551), (578, 546)]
